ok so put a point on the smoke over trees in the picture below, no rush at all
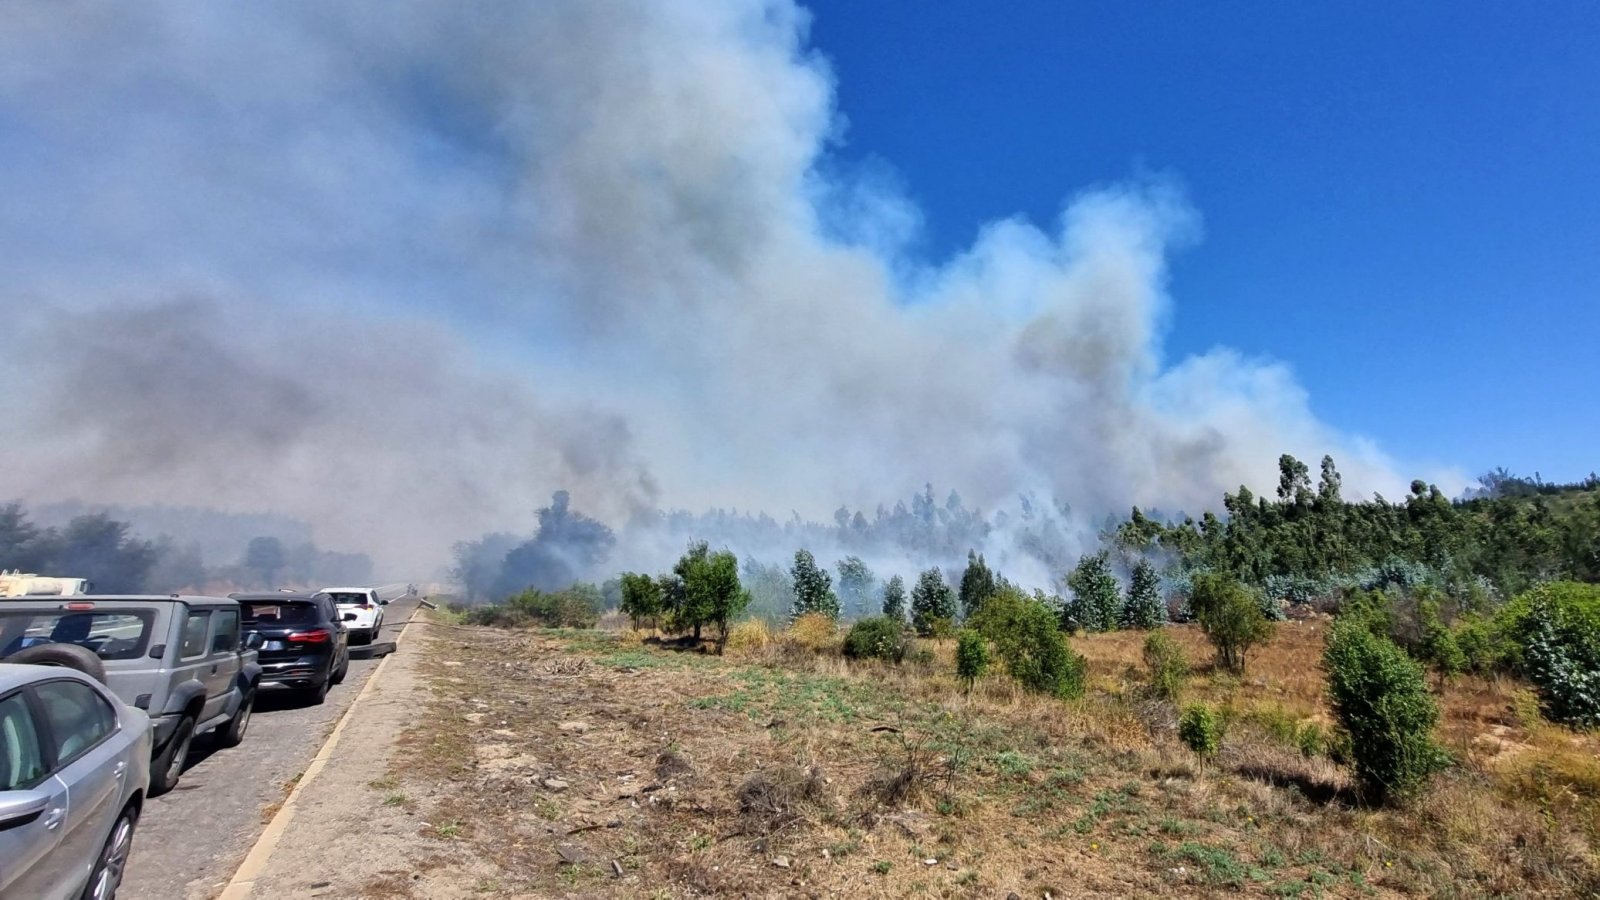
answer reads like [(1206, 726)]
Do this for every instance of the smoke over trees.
[(545, 297), (116, 560)]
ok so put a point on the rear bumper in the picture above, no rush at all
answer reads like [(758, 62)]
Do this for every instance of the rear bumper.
[(295, 673)]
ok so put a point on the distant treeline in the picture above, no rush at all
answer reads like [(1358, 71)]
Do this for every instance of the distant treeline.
[(109, 553)]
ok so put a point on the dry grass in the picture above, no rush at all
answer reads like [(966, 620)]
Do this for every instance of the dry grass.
[(814, 632), (749, 638), (792, 771)]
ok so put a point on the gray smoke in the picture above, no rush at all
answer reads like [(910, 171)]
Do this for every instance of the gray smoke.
[(404, 271)]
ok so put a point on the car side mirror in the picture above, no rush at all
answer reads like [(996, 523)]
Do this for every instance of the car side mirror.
[(350, 617), (21, 807), (252, 641)]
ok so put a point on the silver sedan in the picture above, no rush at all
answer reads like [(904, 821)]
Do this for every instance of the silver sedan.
[(74, 769)]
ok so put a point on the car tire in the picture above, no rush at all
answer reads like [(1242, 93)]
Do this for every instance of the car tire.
[(231, 734), (344, 669), (167, 767), (318, 692), (106, 876), (67, 656)]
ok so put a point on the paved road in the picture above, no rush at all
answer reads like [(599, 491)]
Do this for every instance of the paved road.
[(190, 841)]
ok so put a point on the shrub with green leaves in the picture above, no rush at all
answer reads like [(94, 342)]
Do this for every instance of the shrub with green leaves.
[(1200, 728), (1168, 666), (1146, 608), (932, 600), (1028, 637), (1097, 601), (972, 656), (1380, 698), (879, 637), (1482, 645), (1554, 630), (1229, 616)]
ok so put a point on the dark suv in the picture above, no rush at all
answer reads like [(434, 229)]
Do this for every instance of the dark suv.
[(304, 643)]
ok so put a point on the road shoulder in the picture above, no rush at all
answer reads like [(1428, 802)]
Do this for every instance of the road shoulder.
[(354, 831)]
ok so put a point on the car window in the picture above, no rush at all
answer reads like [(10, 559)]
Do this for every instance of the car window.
[(348, 598), (224, 631), (111, 635), (21, 763), (263, 614), (79, 717), (194, 634)]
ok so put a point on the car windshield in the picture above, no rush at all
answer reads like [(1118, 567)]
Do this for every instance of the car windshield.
[(348, 599), (111, 635), (267, 613)]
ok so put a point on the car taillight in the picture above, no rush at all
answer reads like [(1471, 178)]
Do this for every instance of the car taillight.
[(316, 636)]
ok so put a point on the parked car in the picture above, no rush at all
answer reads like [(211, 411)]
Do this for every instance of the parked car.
[(304, 643), (74, 772), (361, 609), (181, 659)]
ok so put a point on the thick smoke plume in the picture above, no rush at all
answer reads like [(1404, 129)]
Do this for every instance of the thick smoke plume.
[(404, 271)]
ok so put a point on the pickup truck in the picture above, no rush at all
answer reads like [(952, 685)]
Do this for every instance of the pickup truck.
[(181, 659)]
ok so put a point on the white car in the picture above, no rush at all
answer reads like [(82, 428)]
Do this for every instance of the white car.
[(362, 611)]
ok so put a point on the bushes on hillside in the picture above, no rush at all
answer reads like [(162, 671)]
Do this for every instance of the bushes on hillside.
[(972, 656), (575, 607), (1145, 607), (1554, 634), (879, 637), (1168, 667), (932, 603), (1200, 729), (1097, 601), (1230, 617), (1380, 697), (1028, 636)]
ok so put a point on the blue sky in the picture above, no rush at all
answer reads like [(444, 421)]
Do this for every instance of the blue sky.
[(1400, 201)]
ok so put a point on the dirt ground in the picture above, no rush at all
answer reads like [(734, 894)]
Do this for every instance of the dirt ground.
[(572, 765), (583, 764)]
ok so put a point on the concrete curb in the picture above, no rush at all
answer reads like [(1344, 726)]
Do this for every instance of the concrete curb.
[(243, 883)]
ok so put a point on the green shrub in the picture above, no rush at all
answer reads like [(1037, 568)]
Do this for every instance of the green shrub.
[(1028, 637), (972, 656), (1380, 697), (1481, 644), (1168, 667), (879, 637), (1554, 633), (575, 607), (1230, 617), (1200, 729)]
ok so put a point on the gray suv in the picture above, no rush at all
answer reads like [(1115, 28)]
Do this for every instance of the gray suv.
[(180, 659)]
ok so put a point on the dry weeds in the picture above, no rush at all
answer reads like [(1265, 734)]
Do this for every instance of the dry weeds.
[(653, 771)]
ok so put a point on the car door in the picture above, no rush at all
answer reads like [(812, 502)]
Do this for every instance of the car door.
[(28, 843), (194, 658), (224, 661), (78, 726)]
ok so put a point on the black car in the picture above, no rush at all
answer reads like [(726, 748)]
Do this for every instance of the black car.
[(304, 644)]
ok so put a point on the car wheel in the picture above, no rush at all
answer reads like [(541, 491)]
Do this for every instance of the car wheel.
[(319, 692), (167, 767), (113, 860), (232, 734), (344, 669)]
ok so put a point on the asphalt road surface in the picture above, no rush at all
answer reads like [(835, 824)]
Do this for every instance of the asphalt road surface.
[(190, 841)]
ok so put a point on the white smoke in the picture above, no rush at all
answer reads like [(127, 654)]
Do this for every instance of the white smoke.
[(405, 270)]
